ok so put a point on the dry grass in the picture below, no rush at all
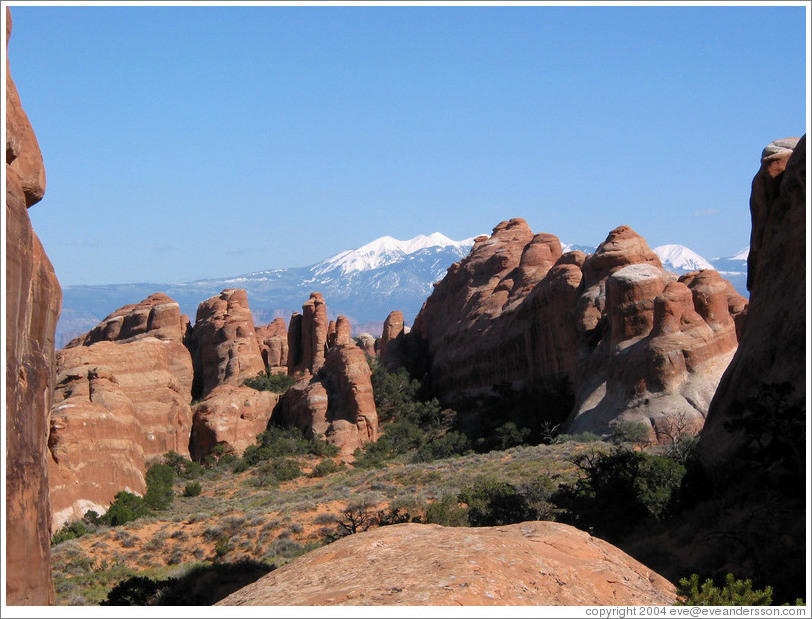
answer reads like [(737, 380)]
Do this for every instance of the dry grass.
[(235, 519)]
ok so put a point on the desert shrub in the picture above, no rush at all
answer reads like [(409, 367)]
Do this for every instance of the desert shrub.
[(494, 503), (193, 488), (615, 491), (734, 592), (529, 416), (277, 442), (183, 467), (447, 512), (135, 591), (126, 507), (634, 432), (448, 445), (394, 515), (583, 437), (222, 546), (272, 472), (266, 381), (70, 530), (325, 467), (159, 494)]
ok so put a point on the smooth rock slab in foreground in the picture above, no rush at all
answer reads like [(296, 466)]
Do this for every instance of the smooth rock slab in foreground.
[(531, 563)]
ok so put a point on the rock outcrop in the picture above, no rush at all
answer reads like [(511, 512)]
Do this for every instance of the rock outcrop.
[(232, 416), (531, 563), (333, 397), (123, 398), (772, 348), (392, 344), (273, 345), (225, 349), (754, 442), (33, 302), (307, 336), (635, 342)]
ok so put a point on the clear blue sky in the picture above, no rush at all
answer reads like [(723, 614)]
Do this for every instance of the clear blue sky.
[(191, 142)]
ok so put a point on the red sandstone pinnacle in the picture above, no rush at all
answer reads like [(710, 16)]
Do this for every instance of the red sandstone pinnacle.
[(225, 341), (333, 399), (307, 336), (33, 303)]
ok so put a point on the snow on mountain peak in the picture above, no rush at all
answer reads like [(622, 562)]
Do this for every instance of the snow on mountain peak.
[(681, 258), (385, 250), (742, 255)]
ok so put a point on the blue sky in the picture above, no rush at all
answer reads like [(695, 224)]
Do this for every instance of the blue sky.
[(191, 142)]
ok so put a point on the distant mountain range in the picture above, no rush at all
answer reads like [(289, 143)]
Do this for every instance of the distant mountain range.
[(364, 284)]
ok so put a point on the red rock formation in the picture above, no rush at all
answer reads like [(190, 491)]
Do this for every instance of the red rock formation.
[(337, 403), (123, 398), (772, 347), (232, 416), (516, 311), (156, 316), (391, 345), (33, 302), (531, 563), (343, 332), (273, 345), (307, 336), (334, 398), (225, 348), (94, 442)]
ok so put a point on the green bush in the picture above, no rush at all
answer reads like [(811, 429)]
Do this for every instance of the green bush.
[(265, 381), (126, 507), (183, 467), (193, 488), (448, 445), (325, 467), (494, 503), (160, 493), (447, 512), (278, 442), (634, 432), (71, 530), (616, 491), (733, 593), (272, 472)]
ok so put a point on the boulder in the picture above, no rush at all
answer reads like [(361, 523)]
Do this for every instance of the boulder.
[(33, 302), (526, 564)]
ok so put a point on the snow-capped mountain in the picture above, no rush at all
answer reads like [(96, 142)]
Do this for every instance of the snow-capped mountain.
[(385, 251), (680, 259), (364, 284)]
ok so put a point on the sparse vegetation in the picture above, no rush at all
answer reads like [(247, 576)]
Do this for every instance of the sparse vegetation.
[(616, 491), (267, 381), (734, 592)]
